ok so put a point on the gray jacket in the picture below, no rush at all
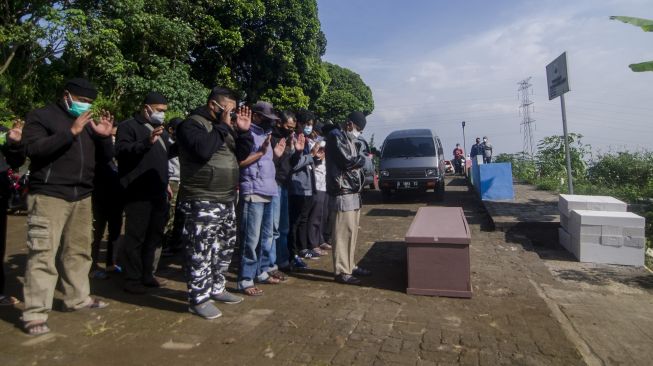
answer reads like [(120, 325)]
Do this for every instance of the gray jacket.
[(487, 149), (302, 180)]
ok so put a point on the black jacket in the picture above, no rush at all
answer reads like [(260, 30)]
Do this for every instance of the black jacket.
[(61, 165), (282, 164), (203, 145), (343, 164), (142, 167)]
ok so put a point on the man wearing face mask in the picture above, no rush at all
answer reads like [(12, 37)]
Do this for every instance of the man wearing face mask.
[(257, 190), (143, 149), (486, 150), (61, 140), (345, 181)]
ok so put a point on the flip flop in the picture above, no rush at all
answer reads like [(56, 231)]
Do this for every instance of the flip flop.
[(271, 280), (94, 304), (252, 291), (6, 300), (36, 327), (278, 275)]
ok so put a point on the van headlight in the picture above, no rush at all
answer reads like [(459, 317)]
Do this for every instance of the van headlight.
[(385, 173), (431, 172)]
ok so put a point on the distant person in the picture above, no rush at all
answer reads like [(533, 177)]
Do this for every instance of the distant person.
[(345, 180), (143, 149), (61, 140), (476, 149), (11, 157), (458, 156), (486, 150)]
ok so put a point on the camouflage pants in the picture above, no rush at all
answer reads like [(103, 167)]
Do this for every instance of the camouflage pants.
[(209, 238)]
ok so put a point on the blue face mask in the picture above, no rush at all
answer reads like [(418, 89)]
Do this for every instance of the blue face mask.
[(76, 108), (308, 130)]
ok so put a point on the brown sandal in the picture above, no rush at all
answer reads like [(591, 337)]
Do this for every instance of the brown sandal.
[(252, 291), (278, 275), (271, 281), (36, 327)]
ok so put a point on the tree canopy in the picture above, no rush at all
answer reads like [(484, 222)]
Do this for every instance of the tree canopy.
[(266, 49)]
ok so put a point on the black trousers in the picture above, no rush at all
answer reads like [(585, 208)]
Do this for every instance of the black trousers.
[(316, 219), (299, 210), (3, 231), (144, 225), (107, 215)]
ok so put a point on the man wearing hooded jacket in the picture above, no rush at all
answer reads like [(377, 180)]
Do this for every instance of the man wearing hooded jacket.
[(143, 149), (61, 140)]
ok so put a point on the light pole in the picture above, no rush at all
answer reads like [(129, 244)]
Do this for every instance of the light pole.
[(464, 141)]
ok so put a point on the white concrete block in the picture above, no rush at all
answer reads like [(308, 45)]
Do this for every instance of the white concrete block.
[(605, 218), (634, 242), (612, 240), (564, 220), (567, 203), (611, 255)]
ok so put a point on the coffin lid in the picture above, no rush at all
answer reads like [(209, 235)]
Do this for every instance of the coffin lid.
[(439, 225)]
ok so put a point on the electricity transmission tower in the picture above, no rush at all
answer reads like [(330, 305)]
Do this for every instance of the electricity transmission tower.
[(527, 123)]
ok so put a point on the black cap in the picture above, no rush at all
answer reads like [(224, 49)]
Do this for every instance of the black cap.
[(81, 87), (358, 118), (265, 109), (155, 98)]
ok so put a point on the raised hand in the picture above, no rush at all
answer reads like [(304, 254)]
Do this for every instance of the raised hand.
[(265, 145), (154, 136), (80, 123), (244, 118), (300, 142), (16, 133), (104, 126), (280, 148)]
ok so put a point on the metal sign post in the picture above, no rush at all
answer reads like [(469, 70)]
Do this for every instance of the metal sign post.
[(558, 83), (464, 141)]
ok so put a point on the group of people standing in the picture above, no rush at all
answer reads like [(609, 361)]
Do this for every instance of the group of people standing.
[(279, 186)]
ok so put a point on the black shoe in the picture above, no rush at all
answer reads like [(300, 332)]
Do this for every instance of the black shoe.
[(347, 279), (361, 272)]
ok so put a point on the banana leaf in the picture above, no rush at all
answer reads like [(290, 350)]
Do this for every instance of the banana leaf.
[(645, 24), (643, 66)]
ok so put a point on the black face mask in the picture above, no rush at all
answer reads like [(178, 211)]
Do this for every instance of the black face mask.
[(285, 132)]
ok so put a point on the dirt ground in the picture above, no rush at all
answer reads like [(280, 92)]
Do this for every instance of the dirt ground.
[(531, 306)]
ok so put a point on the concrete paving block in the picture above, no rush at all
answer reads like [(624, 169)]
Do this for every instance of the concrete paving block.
[(567, 203)]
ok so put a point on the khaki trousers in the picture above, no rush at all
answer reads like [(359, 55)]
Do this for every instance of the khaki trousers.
[(54, 222), (344, 231)]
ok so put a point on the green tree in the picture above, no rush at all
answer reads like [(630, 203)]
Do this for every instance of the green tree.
[(647, 26), (551, 157), (346, 93)]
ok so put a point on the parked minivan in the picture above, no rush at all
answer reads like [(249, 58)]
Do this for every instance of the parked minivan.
[(412, 160)]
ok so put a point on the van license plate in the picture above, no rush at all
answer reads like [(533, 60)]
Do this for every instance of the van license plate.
[(406, 185)]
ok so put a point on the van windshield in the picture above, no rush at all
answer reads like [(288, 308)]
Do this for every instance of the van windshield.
[(408, 147)]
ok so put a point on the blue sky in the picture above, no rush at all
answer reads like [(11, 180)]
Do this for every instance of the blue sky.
[(433, 64)]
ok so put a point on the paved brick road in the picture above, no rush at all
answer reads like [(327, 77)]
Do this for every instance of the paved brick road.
[(311, 320)]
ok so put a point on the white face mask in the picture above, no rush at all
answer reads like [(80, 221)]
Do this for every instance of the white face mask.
[(356, 133), (157, 118), (484, 140)]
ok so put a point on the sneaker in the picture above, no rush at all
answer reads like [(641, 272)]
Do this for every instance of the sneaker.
[(115, 268), (309, 254), (206, 310), (347, 279), (298, 263), (227, 298), (98, 274), (361, 272), (154, 281)]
